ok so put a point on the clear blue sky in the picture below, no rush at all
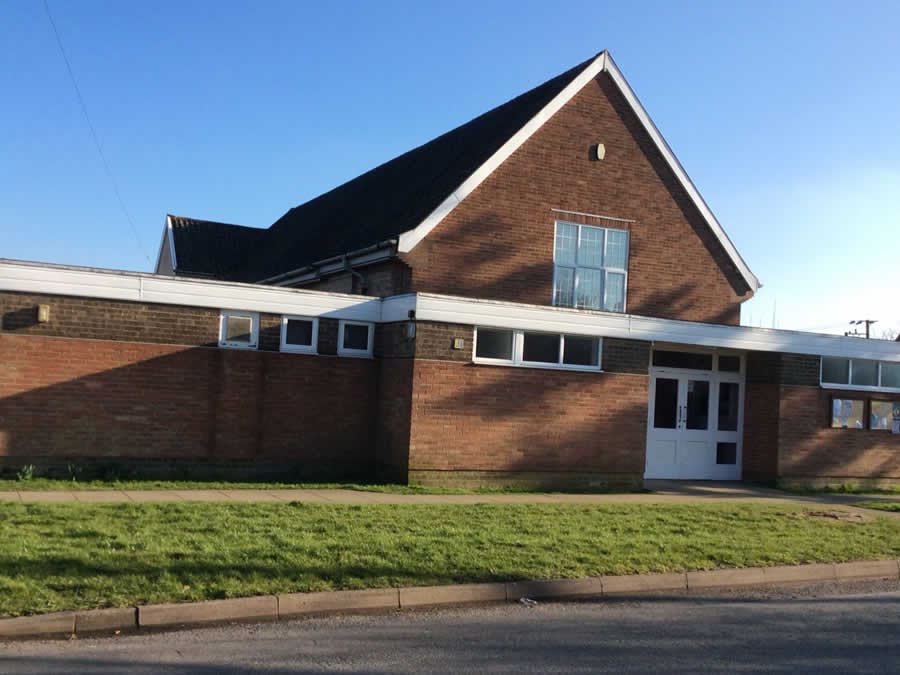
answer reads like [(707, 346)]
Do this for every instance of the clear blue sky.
[(785, 114)]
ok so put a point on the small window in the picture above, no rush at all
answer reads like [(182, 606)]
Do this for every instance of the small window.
[(494, 344), (355, 338), (729, 364), (726, 453), (689, 360), (882, 414), (299, 334), (540, 347), (239, 329), (864, 373), (847, 413), (579, 350), (890, 375), (835, 371)]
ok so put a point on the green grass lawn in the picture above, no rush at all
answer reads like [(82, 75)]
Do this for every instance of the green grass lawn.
[(67, 556), (846, 489), (879, 505)]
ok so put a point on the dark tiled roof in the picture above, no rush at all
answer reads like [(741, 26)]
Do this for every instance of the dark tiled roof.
[(210, 249), (396, 196)]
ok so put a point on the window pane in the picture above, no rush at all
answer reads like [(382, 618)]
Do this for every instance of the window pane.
[(590, 289), (238, 329), (726, 453), (847, 413), (728, 406), (579, 350), (541, 347), (665, 404), (300, 332), (356, 336), (665, 359), (564, 291), (882, 414), (616, 249), (615, 292), (865, 373), (494, 344), (890, 374), (698, 404), (836, 371), (566, 243), (590, 249), (730, 364)]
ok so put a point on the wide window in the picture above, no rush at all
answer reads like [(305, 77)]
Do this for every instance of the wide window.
[(239, 329), (299, 334), (355, 338), (860, 373), (536, 349), (590, 267)]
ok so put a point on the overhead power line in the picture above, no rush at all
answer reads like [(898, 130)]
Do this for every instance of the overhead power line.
[(87, 117)]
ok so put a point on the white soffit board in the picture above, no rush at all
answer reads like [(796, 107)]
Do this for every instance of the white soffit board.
[(604, 61), (607, 324), (136, 287)]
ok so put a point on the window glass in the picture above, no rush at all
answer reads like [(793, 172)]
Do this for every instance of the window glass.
[(882, 414), (665, 404), (238, 329), (726, 453), (494, 344), (589, 293), (615, 292), (581, 351), (356, 336), (590, 249), (729, 395), (564, 290), (890, 375), (697, 404), (616, 249), (730, 364), (847, 413), (836, 371), (566, 243), (299, 332), (667, 359), (540, 347), (864, 373)]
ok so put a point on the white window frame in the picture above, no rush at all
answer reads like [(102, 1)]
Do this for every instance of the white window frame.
[(604, 268), (224, 315), (853, 387), (300, 349), (518, 347), (359, 353)]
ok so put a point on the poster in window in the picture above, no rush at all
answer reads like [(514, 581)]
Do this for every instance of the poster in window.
[(895, 425)]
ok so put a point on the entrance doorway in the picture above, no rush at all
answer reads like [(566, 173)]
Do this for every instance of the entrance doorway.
[(695, 420)]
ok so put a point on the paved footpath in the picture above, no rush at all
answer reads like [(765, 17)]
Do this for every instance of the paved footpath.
[(663, 492)]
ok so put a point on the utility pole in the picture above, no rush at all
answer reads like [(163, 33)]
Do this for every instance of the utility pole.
[(859, 322)]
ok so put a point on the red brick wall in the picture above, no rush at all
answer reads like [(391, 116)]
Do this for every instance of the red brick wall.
[(484, 418), (64, 397), (498, 243), (809, 447), (760, 443)]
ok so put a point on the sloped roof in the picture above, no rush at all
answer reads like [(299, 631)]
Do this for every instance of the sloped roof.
[(396, 196), (210, 249)]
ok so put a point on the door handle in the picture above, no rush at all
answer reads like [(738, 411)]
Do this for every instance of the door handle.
[(678, 423)]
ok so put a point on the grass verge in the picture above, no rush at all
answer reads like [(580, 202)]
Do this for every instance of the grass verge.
[(76, 556), (879, 505)]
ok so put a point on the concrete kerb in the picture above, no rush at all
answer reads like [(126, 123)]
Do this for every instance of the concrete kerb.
[(291, 605)]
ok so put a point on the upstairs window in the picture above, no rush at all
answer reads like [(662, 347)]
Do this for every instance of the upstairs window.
[(239, 329), (590, 267)]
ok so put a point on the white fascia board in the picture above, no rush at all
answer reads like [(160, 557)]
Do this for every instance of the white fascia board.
[(603, 62), (409, 239), (607, 324), (680, 173), (337, 266), (47, 279)]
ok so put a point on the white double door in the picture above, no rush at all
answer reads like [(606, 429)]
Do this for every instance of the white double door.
[(694, 426)]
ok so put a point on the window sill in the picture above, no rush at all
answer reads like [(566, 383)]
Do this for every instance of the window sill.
[(298, 350), (227, 345), (355, 355), (537, 366), (859, 387)]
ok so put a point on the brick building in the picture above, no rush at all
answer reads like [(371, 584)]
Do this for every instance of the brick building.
[(539, 296)]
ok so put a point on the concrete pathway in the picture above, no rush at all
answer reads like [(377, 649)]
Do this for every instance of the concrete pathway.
[(662, 492)]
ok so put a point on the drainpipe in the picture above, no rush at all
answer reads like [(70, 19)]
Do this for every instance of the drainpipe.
[(363, 282)]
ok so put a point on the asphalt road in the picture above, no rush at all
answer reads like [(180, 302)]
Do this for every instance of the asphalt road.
[(810, 629)]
